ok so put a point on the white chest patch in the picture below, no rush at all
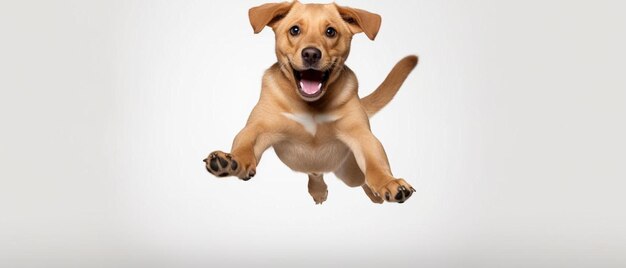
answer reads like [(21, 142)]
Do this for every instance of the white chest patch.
[(310, 122)]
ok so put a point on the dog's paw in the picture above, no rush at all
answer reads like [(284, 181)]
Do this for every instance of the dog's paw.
[(319, 196), (375, 198), (222, 164), (396, 190)]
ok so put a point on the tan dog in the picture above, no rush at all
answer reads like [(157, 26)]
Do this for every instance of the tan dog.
[(309, 109)]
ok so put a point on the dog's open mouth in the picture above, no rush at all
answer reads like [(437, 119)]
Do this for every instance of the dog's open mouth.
[(311, 83)]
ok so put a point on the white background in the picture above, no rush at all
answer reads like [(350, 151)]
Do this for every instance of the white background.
[(511, 129)]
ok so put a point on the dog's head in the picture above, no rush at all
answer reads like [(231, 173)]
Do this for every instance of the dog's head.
[(313, 40)]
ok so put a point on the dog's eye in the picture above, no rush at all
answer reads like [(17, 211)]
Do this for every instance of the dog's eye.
[(295, 30), (331, 32)]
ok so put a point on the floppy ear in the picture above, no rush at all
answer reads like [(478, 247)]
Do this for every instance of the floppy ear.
[(360, 20), (267, 14)]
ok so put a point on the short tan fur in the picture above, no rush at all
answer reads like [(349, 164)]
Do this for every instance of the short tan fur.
[(309, 110)]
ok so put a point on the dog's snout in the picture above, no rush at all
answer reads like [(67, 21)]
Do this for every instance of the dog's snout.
[(311, 55)]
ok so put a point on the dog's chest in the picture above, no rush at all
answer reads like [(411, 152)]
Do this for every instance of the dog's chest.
[(311, 122), (312, 147), (317, 158)]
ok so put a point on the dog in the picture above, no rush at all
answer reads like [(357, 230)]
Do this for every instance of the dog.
[(309, 110)]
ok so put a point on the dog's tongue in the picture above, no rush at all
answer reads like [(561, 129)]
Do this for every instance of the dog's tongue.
[(310, 87)]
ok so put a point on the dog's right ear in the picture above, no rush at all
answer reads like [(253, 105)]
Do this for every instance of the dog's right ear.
[(268, 14)]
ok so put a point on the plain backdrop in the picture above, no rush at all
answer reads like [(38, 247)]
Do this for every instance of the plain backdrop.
[(511, 129)]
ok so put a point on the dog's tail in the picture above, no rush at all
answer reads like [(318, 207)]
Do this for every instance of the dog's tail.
[(388, 89)]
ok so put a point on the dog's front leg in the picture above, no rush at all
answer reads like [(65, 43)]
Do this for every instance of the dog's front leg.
[(246, 152), (372, 160)]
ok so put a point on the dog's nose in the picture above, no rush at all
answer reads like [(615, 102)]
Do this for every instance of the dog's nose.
[(311, 55)]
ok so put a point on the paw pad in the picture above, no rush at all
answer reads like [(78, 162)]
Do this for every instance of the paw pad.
[(222, 164), (396, 190)]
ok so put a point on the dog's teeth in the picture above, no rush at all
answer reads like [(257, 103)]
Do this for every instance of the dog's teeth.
[(319, 86), (301, 85)]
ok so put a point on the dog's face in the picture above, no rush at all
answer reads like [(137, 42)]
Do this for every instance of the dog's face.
[(313, 40)]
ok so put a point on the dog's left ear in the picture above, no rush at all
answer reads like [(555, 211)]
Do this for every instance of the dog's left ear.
[(267, 14), (360, 20)]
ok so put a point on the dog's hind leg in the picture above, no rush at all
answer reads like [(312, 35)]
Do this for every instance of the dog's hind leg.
[(317, 188), (350, 173)]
